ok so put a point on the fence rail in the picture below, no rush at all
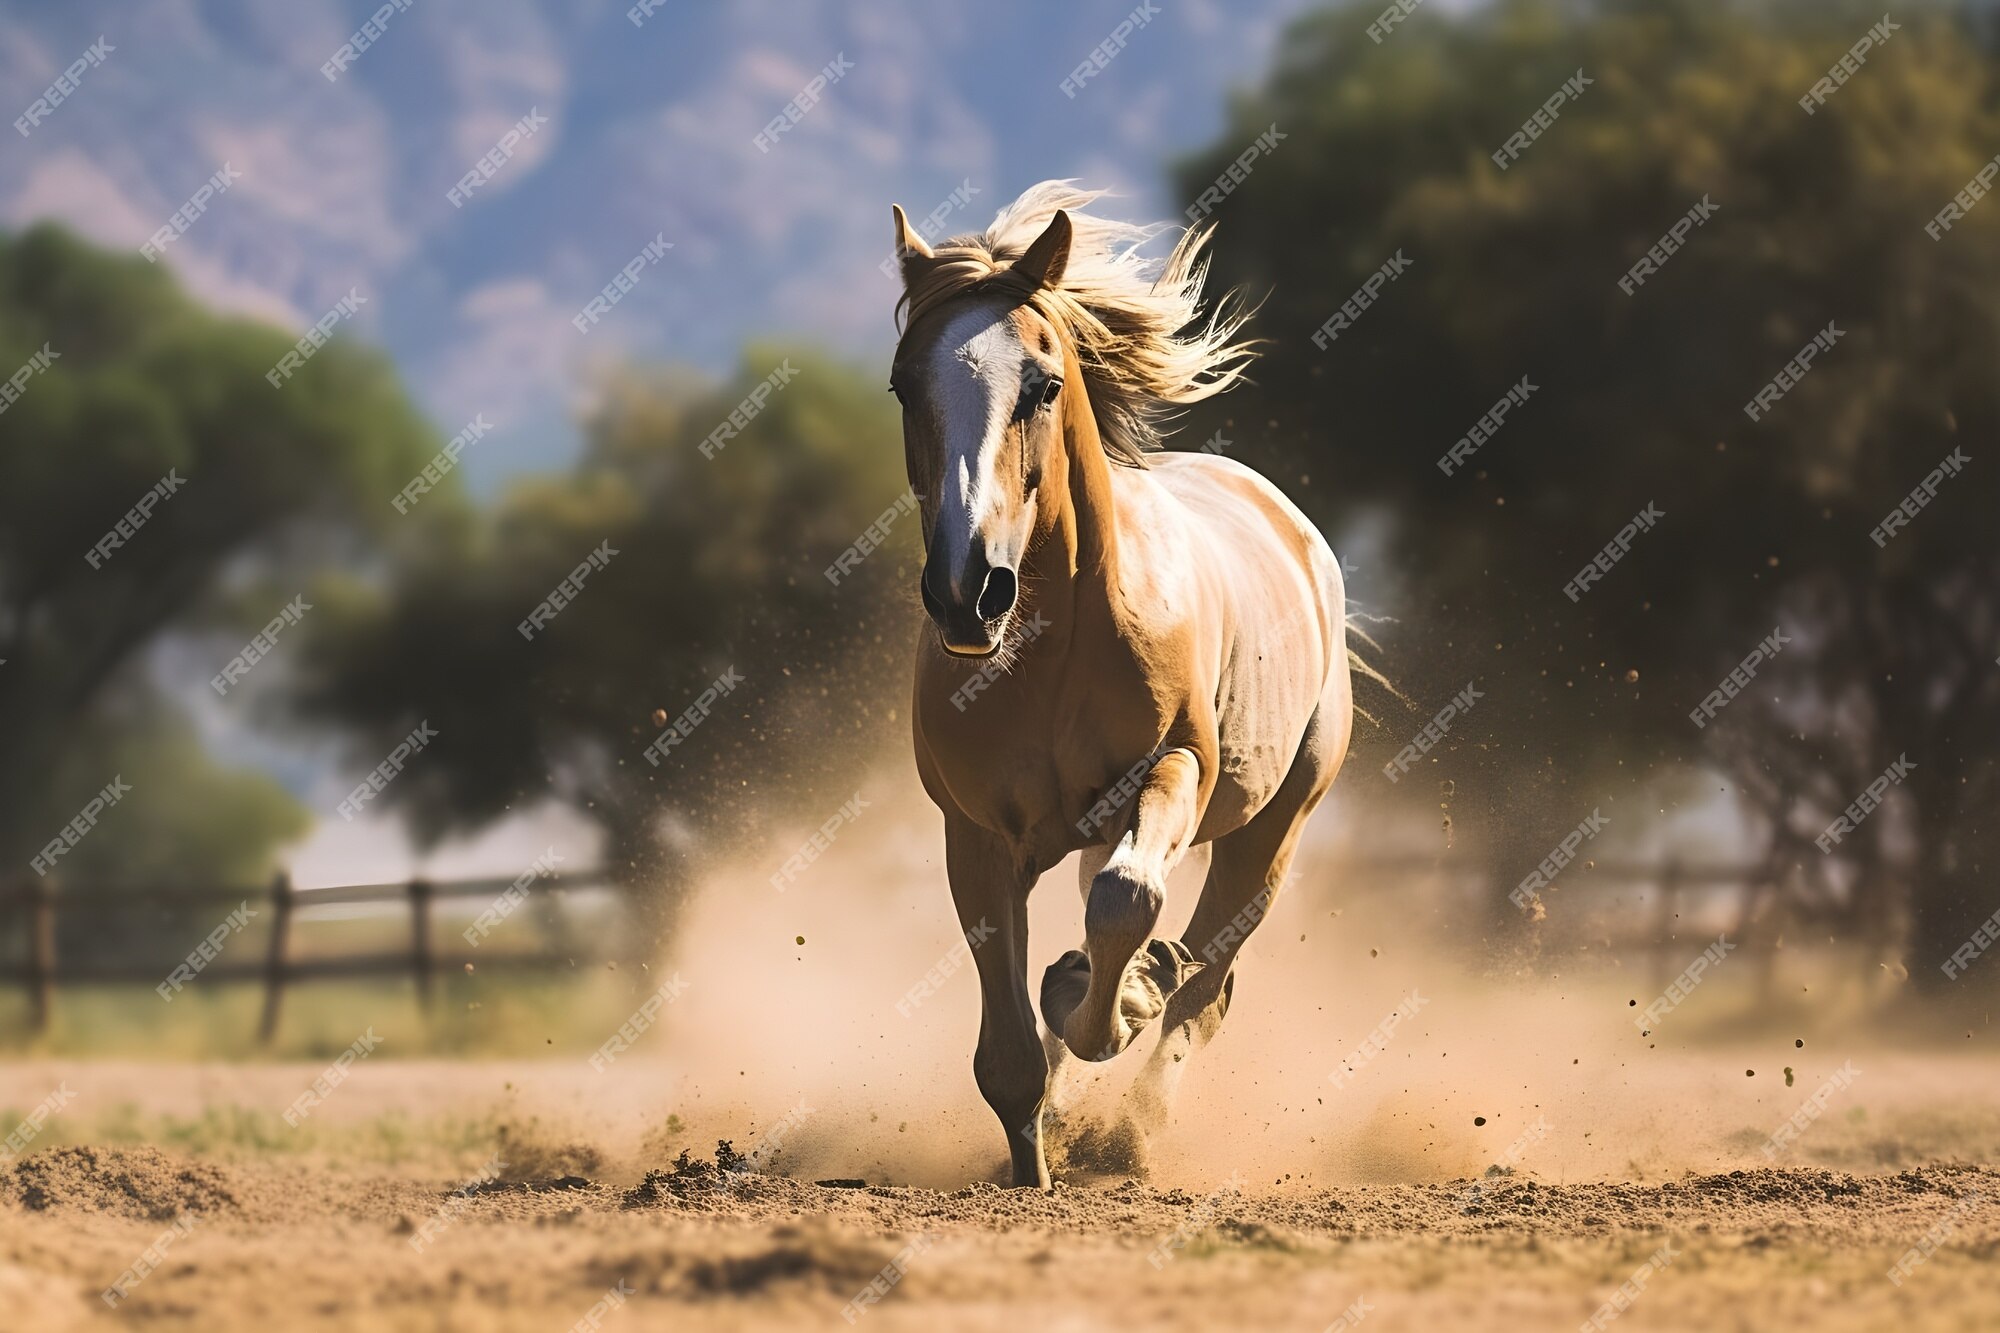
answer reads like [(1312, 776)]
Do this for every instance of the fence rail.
[(38, 905)]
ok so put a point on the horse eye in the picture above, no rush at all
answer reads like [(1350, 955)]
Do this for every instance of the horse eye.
[(1051, 392)]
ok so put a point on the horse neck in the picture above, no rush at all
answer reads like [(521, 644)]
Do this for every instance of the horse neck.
[(1081, 548)]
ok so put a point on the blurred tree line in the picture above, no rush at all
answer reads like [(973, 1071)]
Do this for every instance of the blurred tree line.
[(1639, 398), (1512, 274)]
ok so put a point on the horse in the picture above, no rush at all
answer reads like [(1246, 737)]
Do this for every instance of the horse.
[(1130, 653)]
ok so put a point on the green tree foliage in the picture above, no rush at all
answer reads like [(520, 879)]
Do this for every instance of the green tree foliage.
[(1820, 218), (718, 567), (143, 383)]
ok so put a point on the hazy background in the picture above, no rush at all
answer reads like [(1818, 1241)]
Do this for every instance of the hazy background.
[(777, 262)]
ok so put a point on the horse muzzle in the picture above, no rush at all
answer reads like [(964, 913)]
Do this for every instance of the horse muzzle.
[(971, 609)]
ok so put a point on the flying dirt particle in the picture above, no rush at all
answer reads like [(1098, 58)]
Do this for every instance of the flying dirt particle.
[(1631, 1004), (1749, 1073), (1374, 953), (1479, 1120), (659, 717), (1788, 1076), (799, 939), (1632, 675), (468, 969), (1799, 1042)]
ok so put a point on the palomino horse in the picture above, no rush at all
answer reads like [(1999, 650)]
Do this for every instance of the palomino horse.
[(1172, 632)]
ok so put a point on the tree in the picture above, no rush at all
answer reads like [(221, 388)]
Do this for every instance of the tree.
[(141, 392), (1638, 397)]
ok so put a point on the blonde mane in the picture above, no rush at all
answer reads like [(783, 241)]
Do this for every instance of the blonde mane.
[(1136, 322)]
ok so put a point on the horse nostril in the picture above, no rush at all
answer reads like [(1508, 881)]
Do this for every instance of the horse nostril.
[(996, 599)]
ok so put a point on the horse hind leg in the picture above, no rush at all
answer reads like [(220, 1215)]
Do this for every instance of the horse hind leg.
[(1244, 878), (1100, 997)]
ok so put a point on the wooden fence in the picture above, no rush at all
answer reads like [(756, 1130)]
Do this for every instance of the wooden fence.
[(37, 904)]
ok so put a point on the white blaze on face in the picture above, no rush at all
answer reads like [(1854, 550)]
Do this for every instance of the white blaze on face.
[(975, 375)]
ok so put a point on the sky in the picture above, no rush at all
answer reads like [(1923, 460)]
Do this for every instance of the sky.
[(644, 132)]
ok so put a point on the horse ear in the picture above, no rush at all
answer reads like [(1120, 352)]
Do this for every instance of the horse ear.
[(1044, 263), (909, 245)]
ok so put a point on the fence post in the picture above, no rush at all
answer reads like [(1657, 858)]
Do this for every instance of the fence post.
[(423, 958), (275, 957), (1663, 940), (40, 899)]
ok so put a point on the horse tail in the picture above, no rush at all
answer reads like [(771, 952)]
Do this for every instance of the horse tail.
[(1367, 670)]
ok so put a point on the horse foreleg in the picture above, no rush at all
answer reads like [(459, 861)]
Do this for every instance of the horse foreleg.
[(989, 888), (1123, 989)]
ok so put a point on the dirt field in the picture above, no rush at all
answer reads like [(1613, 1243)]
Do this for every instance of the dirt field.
[(1515, 1153), (367, 1229)]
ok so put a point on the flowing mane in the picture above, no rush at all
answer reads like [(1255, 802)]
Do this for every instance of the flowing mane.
[(1137, 323)]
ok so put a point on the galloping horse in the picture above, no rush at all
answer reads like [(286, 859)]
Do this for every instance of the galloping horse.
[(1166, 634)]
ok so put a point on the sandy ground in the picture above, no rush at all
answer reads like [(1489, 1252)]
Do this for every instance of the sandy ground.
[(248, 1238), (1519, 1153)]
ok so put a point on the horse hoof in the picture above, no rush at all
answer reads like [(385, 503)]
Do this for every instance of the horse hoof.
[(1063, 988)]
